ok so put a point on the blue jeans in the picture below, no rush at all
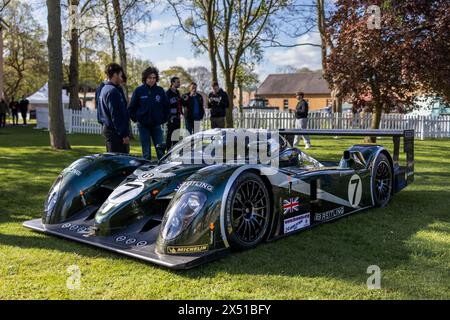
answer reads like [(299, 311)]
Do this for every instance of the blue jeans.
[(189, 123), (156, 135)]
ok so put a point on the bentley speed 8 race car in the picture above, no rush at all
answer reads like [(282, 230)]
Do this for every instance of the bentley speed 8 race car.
[(217, 191)]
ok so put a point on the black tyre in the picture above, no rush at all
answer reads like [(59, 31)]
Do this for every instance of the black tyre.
[(247, 212), (382, 180)]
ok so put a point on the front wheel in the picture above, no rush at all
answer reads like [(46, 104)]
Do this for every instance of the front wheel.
[(247, 212), (382, 181)]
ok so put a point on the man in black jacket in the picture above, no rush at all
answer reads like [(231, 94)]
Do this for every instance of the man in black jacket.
[(149, 108), (175, 110), (23, 108), (3, 111), (301, 122), (112, 111), (14, 106), (218, 103), (194, 110)]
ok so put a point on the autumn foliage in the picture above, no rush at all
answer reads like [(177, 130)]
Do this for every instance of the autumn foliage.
[(407, 54)]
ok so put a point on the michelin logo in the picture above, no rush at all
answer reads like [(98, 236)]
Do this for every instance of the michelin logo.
[(297, 223)]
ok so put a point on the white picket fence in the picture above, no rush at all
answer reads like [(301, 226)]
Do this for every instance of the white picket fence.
[(85, 121)]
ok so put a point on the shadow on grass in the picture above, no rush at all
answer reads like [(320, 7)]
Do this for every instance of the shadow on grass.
[(340, 249)]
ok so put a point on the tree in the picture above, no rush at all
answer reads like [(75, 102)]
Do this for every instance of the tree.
[(392, 61), (293, 69), (76, 15), (175, 71), (127, 15), (110, 28), (120, 33), (58, 138), (244, 26), (3, 25), (234, 31), (135, 68), (202, 76), (25, 63), (200, 24), (247, 80)]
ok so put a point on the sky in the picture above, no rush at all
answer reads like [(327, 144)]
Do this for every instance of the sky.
[(166, 48)]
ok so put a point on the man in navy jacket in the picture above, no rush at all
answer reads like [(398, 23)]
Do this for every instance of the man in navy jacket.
[(112, 111), (149, 108)]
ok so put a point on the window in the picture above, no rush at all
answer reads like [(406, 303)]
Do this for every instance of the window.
[(285, 104)]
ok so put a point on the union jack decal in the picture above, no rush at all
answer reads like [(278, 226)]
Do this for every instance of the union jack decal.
[(290, 205)]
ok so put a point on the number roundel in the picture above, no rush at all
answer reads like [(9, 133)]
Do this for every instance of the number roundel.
[(355, 190)]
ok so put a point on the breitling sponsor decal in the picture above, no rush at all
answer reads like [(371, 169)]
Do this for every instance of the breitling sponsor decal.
[(199, 184), (327, 215), (187, 249), (297, 223)]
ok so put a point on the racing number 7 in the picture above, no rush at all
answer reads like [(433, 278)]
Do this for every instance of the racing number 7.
[(354, 181)]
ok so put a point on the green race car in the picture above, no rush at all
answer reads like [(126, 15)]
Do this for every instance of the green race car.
[(218, 191)]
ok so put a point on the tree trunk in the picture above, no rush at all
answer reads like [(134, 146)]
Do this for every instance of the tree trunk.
[(230, 92), (120, 37), (322, 31), (74, 86), (58, 139), (110, 31), (211, 39), (2, 96), (241, 96), (376, 120)]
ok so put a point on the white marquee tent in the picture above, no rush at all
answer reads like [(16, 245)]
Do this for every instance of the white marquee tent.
[(40, 98)]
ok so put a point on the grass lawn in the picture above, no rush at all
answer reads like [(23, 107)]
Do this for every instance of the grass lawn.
[(409, 240)]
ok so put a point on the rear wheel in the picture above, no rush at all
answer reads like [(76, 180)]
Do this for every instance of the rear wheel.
[(382, 181), (247, 212)]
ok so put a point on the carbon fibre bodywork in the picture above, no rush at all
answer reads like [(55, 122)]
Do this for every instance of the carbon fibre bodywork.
[(130, 206)]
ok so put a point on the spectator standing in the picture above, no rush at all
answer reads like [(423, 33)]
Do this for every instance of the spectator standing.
[(23, 108), (14, 106), (194, 110), (218, 103), (149, 108), (3, 111), (301, 122), (175, 109), (112, 111)]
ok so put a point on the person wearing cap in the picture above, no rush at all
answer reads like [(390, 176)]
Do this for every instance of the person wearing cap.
[(301, 122)]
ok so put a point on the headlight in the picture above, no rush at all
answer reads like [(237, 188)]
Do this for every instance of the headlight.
[(52, 197), (182, 213)]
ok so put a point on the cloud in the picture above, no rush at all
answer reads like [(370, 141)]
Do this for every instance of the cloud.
[(183, 62), (299, 57), (154, 26)]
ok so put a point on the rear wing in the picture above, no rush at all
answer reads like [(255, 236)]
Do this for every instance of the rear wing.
[(407, 135)]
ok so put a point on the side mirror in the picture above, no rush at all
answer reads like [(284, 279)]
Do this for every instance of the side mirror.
[(289, 158)]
